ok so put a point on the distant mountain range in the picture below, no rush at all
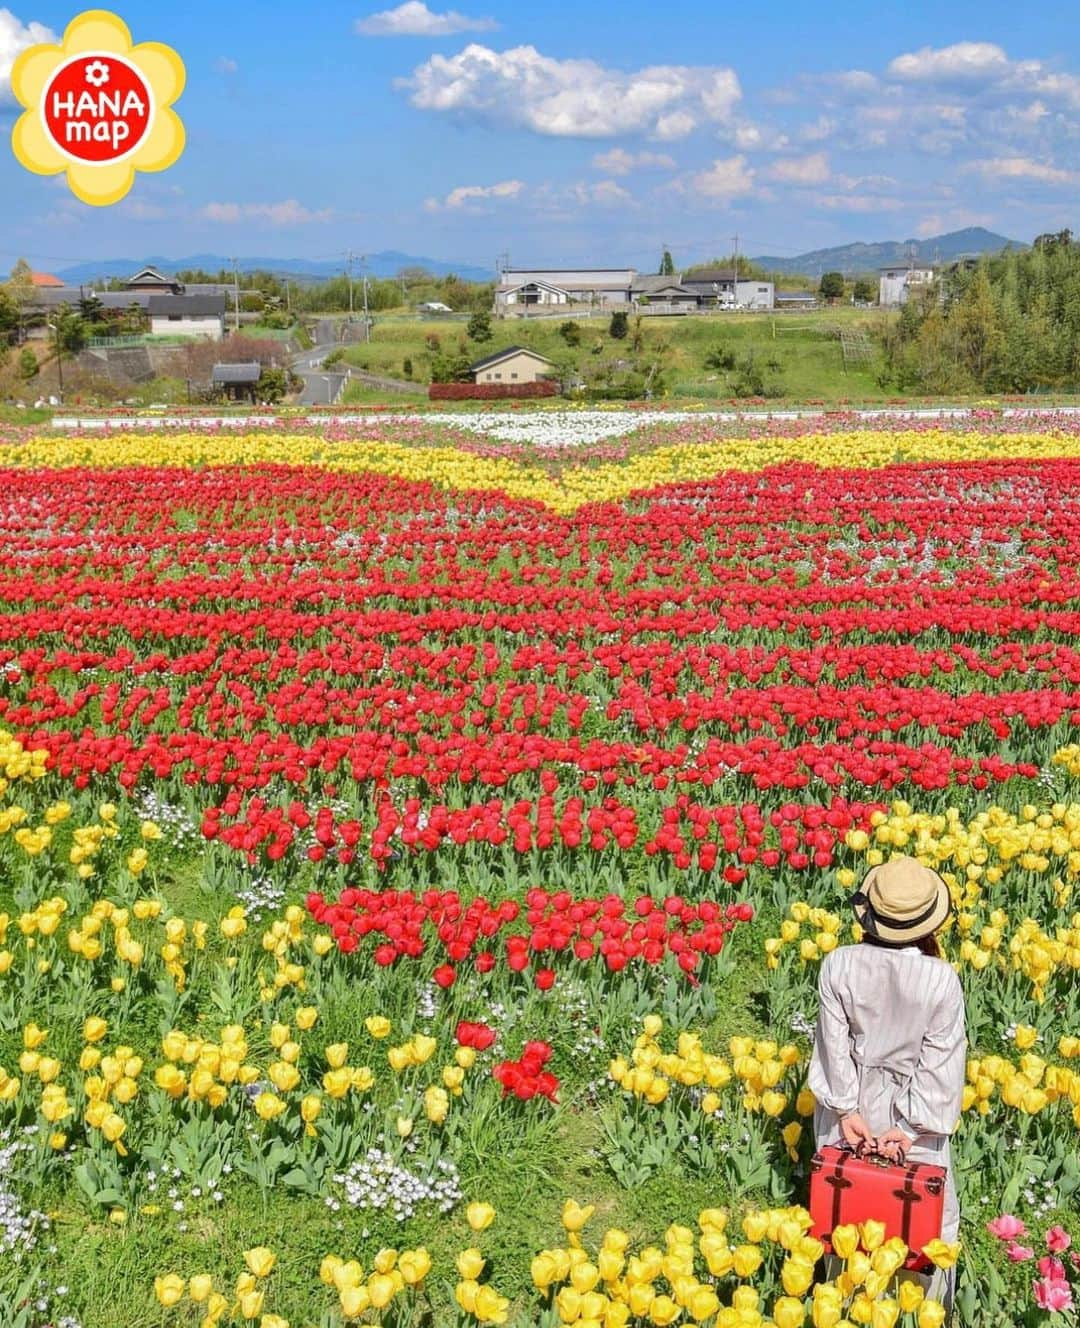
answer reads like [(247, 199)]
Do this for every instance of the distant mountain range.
[(854, 258), (387, 263)]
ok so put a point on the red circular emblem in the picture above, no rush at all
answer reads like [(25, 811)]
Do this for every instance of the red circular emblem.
[(97, 108)]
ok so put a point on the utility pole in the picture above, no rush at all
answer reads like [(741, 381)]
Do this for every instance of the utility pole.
[(348, 272), (59, 358), (367, 324), (735, 284), (288, 297), (236, 296)]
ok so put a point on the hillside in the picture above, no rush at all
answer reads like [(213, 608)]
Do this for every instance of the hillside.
[(386, 263), (862, 257)]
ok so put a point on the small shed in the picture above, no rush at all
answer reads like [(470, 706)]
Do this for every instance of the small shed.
[(514, 364), (237, 380)]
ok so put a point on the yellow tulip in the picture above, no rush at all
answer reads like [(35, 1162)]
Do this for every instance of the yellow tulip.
[(267, 1106), (910, 1295), (480, 1216), (260, 1260), (251, 1303), (381, 1290), (470, 1264), (169, 1289), (200, 1287), (354, 1301), (337, 1054), (845, 1241), (884, 1314), (872, 1233), (663, 1311), (941, 1253), (746, 1260), (378, 1025), (796, 1275), (788, 1313), (575, 1215), (414, 1265), (931, 1314)]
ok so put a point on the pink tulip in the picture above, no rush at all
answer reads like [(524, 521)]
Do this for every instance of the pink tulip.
[(1053, 1294), (1018, 1253), (1058, 1240), (1006, 1227), (1051, 1268)]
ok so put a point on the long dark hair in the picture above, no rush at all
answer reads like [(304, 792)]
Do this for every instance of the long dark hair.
[(927, 944)]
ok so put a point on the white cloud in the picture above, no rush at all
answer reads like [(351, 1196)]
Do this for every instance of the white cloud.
[(572, 98), (604, 193), (289, 212), (759, 138), (225, 64), (816, 131), (16, 36), (414, 19), (620, 162), (465, 194), (1021, 168), (857, 203), (727, 177), (809, 170), (964, 61)]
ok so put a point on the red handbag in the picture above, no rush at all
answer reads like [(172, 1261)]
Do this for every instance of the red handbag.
[(849, 1188)]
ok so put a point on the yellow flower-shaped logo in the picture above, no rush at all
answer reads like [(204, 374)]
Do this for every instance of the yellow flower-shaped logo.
[(98, 108)]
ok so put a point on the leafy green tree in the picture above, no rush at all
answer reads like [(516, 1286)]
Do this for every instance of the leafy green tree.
[(865, 291), (667, 265), (273, 384), (450, 368), (570, 332), (69, 331), (90, 308), (27, 366), (479, 327), (978, 328), (832, 286), (620, 325), (9, 316)]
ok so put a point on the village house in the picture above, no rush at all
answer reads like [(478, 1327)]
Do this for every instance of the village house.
[(512, 364), (599, 287), (723, 288), (662, 294), (187, 316), (897, 283)]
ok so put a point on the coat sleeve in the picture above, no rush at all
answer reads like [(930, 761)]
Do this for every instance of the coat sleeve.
[(833, 1077), (933, 1100)]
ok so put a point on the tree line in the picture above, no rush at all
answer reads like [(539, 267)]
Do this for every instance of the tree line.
[(1007, 323)]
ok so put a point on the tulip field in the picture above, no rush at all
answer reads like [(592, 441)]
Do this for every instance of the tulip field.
[(418, 845)]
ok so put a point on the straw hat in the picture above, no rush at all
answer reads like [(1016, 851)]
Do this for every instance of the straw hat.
[(901, 901)]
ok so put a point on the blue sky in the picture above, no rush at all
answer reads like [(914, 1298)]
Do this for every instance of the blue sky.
[(578, 134)]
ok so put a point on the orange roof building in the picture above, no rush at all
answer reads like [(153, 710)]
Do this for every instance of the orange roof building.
[(45, 279)]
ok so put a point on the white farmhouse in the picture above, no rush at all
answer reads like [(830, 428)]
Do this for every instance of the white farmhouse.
[(187, 316), (596, 286), (897, 283)]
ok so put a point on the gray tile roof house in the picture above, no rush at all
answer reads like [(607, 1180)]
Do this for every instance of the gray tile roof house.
[(187, 306), (247, 372)]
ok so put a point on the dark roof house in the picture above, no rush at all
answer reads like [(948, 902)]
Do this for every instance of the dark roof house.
[(246, 372), (187, 306), (149, 278)]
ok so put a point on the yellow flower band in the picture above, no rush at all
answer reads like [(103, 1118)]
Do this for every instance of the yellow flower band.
[(455, 469)]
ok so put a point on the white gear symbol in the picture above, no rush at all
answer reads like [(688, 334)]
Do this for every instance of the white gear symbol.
[(97, 73)]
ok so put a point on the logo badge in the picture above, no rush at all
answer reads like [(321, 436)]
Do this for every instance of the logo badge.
[(98, 108)]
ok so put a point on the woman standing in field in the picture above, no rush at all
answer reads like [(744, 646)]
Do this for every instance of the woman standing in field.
[(890, 1048)]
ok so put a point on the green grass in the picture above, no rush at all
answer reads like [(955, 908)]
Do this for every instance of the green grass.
[(805, 346)]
